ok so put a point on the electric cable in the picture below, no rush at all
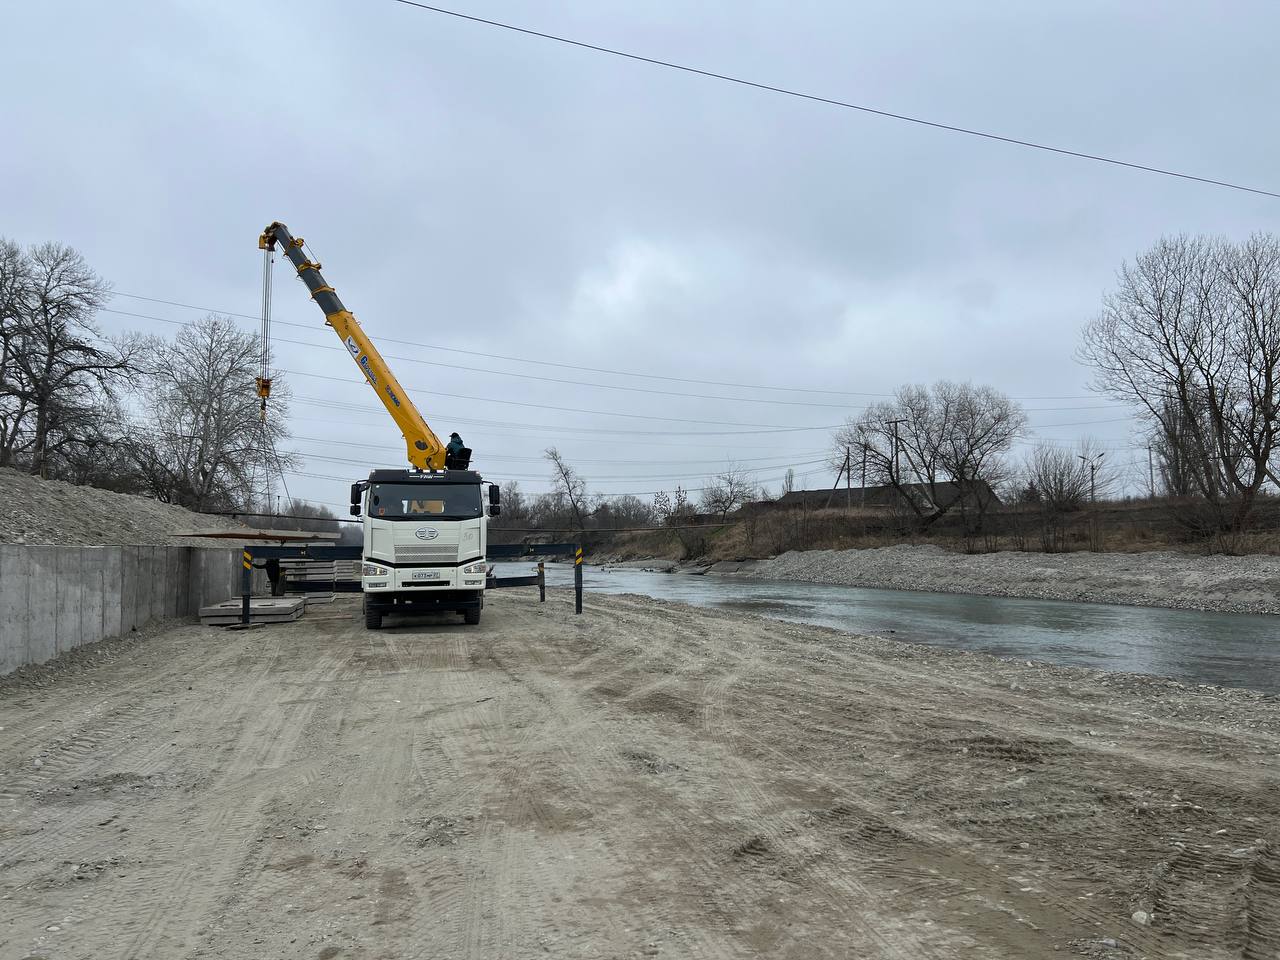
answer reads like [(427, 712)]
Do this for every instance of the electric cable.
[(844, 104), (497, 356)]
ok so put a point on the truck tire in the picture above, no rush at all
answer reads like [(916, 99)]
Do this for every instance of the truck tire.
[(372, 617), (471, 617)]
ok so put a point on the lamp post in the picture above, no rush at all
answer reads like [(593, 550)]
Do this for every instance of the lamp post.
[(1093, 474)]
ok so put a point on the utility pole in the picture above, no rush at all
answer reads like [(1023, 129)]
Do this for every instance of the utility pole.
[(848, 483), (832, 494), (896, 472), (863, 497)]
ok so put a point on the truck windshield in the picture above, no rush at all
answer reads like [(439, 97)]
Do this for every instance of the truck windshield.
[(416, 501)]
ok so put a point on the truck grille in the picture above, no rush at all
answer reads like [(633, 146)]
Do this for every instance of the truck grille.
[(426, 553)]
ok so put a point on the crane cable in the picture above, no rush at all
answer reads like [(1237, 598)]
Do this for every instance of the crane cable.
[(264, 373), (264, 380)]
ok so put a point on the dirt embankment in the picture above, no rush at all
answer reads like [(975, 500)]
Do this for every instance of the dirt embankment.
[(33, 510), (1248, 584), (645, 780)]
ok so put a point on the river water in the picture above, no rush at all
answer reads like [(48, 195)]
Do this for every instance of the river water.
[(1231, 649)]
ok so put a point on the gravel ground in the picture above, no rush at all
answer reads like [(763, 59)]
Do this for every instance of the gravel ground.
[(50, 511), (646, 780), (1228, 584)]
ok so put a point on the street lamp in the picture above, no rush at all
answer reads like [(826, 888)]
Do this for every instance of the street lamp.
[(1093, 473)]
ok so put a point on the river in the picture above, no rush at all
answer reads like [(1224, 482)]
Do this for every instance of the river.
[(1230, 649)]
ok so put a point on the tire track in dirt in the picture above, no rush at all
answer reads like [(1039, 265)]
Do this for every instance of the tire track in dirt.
[(646, 778), (732, 898), (188, 847), (977, 873)]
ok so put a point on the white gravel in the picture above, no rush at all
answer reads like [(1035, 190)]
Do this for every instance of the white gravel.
[(50, 511), (1248, 584)]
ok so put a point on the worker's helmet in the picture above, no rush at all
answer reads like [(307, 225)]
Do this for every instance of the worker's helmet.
[(454, 436)]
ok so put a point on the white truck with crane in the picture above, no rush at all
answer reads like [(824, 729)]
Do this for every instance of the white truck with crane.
[(425, 528)]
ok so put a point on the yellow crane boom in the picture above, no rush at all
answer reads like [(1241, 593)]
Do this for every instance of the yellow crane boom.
[(425, 451)]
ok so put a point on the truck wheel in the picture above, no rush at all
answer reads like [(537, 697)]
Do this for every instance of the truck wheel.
[(372, 617), (471, 617)]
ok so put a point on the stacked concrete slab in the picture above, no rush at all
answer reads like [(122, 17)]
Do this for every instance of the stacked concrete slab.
[(261, 610), (56, 598)]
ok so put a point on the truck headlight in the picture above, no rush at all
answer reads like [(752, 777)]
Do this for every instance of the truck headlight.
[(473, 568), (373, 570)]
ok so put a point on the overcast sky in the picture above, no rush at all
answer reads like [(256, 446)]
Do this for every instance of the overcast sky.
[(471, 189)]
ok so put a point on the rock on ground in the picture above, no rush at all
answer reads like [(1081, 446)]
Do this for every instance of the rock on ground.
[(1249, 584)]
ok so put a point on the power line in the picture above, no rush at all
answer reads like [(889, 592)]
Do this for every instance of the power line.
[(615, 493), (422, 391), (499, 356), (862, 108), (700, 475), (511, 359), (517, 375), (648, 461)]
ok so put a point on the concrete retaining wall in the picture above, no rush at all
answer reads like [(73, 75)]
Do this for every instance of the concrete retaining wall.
[(53, 599)]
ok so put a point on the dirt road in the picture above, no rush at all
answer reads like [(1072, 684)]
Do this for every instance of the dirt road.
[(645, 780)]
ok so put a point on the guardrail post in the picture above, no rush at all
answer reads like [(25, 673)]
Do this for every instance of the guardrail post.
[(245, 584), (577, 580), (542, 582)]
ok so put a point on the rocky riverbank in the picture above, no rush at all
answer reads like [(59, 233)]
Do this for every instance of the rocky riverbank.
[(1249, 584)]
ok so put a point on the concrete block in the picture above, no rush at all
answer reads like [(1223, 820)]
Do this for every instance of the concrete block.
[(261, 610), (15, 616), (42, 603), (180, 562), (168, 581), (92, 594), (155, 582), (220, 577), (112, 591), (70, 595), (195, 570), (129, 561)]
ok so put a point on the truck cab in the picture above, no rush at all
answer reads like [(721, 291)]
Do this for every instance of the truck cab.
[(425, 538)]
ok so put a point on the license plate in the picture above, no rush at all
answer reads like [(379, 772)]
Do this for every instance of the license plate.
[(425, 575)]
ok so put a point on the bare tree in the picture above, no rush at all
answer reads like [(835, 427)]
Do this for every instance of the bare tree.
[(681, 507), (57, 373), (1060, 481), (672, 509), (204, 445), (624, 511), (566, 483), (1191, 337), (516, 509), (729, 490), (939, 448), (661, 506)]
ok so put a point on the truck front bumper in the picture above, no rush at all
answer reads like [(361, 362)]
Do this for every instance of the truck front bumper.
[(425, 580)]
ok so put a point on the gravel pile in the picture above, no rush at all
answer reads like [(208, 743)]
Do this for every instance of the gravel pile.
[(50, 511), (1229, 584)]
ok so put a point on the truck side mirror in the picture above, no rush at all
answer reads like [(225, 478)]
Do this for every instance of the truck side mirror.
[(495, 495), (495, 509), (355, 509)]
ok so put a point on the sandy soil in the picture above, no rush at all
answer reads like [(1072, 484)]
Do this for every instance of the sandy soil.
[(645, 780), (50, 511), (1249, 584)]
